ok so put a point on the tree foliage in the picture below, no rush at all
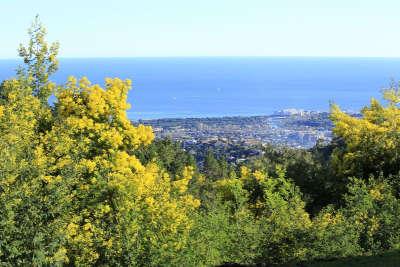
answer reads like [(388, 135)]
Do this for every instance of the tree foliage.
[(372, 141), (72, 191), (40, 61), (81, 185)]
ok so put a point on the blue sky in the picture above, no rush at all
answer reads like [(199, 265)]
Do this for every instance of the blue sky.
[(119, 28)]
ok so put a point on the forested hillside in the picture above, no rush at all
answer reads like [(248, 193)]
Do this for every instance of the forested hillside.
[(81, 185)]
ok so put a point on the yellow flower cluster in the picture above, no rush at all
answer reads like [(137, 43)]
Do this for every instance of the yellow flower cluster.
[(371, 138), (182, 184), (96, 137), (376, 194), (328, 219), (83, 164)]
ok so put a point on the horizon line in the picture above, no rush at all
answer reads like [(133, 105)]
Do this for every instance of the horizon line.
[(234, 56)]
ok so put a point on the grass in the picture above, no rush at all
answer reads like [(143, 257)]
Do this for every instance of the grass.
[(388, 259)]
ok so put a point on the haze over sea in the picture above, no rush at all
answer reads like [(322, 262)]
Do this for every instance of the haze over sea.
[(234, 86)]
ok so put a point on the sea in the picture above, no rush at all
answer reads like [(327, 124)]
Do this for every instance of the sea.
[(234, 86)]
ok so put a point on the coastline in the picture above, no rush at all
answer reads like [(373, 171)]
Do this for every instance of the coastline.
[(295, 128)]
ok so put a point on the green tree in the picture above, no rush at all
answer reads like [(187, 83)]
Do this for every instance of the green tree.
[(285, 223), (371, 141), (310, 170), (211, 166), (373, 208), (40, 61), (168, 154), (30, 214), (333, 235), (71, 189)]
